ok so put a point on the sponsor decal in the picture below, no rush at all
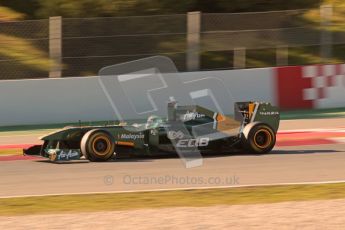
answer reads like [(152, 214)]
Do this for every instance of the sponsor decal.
[(66, 155), (269, 113), (198, 142), (131, 136), (154, 132), (191, 116), (312, 86), (291, 85), (56, 154), (164, 125), (172, 135)]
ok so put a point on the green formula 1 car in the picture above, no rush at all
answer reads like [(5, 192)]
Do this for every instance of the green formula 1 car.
[(187, 128)]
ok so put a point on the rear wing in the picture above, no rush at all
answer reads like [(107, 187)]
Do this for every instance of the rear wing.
[(257, 112), (191, 112)]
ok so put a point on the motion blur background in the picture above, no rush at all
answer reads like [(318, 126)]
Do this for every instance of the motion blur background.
[(89, 34)]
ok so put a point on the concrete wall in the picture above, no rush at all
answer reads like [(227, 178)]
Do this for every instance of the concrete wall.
[(52, 101), (71, 99)]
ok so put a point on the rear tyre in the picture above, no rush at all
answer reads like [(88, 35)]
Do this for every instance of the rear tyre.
[(259, 139), (98, 145)]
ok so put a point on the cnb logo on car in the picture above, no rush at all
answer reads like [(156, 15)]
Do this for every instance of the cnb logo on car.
[(173, 135), (191, 116), (198, 142)]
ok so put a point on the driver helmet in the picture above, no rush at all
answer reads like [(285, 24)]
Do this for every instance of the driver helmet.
[(153, 121)]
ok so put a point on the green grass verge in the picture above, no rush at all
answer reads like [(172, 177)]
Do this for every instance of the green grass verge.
[(185, 198), (313, 114)]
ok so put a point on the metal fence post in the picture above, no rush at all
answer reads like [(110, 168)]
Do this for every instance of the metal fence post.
[(326, 13), (55, 46), (240, 58), (282, 55), (193, 40)]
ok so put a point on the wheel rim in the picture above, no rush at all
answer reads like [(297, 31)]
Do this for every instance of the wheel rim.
[(101, 146), (262, 138)]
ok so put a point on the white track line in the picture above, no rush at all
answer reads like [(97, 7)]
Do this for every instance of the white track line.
[(178, 189), (339, 140)]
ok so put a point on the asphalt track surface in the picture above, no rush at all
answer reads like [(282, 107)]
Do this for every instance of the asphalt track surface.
[(316, 155)]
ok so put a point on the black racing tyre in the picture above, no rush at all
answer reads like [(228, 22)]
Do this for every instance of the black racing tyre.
[(259, 139), (97, 145)]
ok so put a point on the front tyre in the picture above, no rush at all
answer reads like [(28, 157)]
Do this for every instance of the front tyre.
[(258, 139), (97, 145)]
